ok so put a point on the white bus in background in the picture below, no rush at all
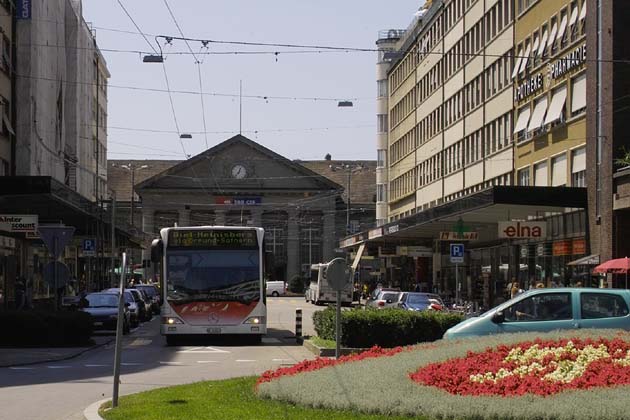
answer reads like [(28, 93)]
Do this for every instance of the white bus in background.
[(319, 291), (212, 281)]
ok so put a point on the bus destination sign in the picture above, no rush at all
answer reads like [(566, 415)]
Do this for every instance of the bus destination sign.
[(217, 239)]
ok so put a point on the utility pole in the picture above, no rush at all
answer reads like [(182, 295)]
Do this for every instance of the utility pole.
[(112, 260), (348, 200), (133, 181)]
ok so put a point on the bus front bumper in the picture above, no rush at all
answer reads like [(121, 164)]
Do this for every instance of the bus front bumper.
[(185, 329)]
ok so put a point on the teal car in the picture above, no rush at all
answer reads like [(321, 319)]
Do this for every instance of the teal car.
[(551, 309)]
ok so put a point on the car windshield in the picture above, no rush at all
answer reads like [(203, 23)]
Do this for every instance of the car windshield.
[(149, 290), (102, 300), (213, 275), (414, 298), (389, 296)]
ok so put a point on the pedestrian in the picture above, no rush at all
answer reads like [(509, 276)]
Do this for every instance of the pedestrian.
[(417, 288), (20, 292)]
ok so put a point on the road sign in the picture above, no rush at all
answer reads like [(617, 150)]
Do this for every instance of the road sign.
[(338, 274), (56, 238), (89, 247), (457, 253), (56, 274)]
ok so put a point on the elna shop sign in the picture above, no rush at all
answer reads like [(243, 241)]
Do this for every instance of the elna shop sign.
[(522, 230)]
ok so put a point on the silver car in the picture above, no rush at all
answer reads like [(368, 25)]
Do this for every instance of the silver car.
[(384, 299)]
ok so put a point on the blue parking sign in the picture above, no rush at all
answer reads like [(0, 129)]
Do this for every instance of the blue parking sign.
[(89, 247), (457, 253)]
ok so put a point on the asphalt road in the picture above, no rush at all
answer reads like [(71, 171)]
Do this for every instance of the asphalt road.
[(62, 390)]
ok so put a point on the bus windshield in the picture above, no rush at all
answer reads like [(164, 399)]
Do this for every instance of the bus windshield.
[(212, 275)]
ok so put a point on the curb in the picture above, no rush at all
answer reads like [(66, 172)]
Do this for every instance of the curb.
[(91, 412), (324, 352), (58, 359)]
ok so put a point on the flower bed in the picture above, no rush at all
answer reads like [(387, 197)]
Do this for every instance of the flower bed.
[(539, 367), (581, 374)]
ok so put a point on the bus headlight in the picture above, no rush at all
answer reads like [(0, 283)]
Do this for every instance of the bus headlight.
[(171, 320), (255, 320)]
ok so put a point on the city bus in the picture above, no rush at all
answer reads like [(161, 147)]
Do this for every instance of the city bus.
[(212, 281)]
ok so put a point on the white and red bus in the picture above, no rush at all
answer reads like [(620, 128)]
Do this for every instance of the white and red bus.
[(212, 281)]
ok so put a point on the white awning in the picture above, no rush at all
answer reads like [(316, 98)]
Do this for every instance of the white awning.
[(525, 59), (583, 12), (538, 115), (578, 93), (574, 16), (557, 105), (578, 160), (523, 119), (552, 35), (540, 175), (517, 63), (559, 170), (535, 46), (563, 28), (543, 44)]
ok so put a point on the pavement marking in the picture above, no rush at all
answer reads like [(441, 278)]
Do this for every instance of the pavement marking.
[(95, 365), (207, 349), (244, 360), (207, 361), (282, 360), (139, 342), (130, 364), (270, 340), (172, 363), (21, 368), (59, 367)]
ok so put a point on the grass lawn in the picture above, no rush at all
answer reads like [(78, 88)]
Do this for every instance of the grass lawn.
[(320, 342), (231, 399)]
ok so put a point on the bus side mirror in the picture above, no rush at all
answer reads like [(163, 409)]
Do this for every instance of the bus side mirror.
[(157, 250)]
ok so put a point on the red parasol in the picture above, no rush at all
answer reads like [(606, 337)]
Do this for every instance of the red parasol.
[(618, 266)]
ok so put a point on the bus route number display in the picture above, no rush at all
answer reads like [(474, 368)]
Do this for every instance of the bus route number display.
[(213, 239)]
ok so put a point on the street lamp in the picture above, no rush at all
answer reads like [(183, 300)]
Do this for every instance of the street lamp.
[(133, 168), (349, 169)]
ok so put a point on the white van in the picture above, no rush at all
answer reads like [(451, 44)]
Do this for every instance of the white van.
[(276, 288)]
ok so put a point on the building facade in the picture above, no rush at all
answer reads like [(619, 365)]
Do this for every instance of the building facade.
[(302, 205), (7, 55)]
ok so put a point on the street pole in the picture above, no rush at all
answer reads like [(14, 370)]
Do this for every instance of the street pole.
[(112, 260), (348, 201), (457, 292), (133, 170), (119, 332), (338, 326)]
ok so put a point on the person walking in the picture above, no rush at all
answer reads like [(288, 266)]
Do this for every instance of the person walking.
[(20, 292)]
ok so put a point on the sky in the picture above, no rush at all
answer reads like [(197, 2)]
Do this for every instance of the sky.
[(304, 129)]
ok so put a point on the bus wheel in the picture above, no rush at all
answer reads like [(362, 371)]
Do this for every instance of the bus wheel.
[(255, 339), (275, 294), (172, 340)]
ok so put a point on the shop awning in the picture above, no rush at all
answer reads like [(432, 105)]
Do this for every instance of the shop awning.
[(574, 16), (557, 105), (538, 115), (479, 212), (562, 29), (525, 59), (589, 260), (517, 63), (543, 43), (578, 94), (523, 119)]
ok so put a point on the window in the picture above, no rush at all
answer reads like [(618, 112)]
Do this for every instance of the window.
[(578, 167), (381, 192), (602, 305), (543, 307), (382, 123), (381, 88), (578, 94), (556, 111), (540, 174), (381, 158), (559, 171), (523, 177), (522, 121)]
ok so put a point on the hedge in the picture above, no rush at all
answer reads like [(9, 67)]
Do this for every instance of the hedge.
[(362, 328), (45, 329)]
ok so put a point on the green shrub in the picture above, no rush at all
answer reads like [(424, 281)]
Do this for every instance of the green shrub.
[(296, 285), (386, 327), (45, 329)]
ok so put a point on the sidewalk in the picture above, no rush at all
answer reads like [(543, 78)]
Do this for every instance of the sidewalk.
[(10, 357)]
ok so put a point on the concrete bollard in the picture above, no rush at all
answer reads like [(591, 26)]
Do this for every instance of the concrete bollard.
[(298, 324)]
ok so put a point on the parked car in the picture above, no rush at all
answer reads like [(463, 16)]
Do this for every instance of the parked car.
[(276, 288), (104, 310), (386, 298), (143, 301), (415, 301), (551, 309), (154, 295), (134, 310)]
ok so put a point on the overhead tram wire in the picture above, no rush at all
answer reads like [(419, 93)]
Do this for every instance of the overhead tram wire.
[(137, 27)]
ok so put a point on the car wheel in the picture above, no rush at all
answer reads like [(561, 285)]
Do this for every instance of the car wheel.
[(275, 294)]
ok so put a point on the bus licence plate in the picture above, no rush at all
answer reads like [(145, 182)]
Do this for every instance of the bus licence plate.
[(214, 330)]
